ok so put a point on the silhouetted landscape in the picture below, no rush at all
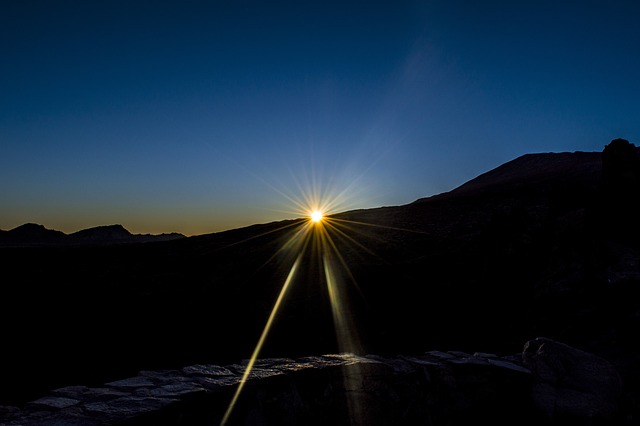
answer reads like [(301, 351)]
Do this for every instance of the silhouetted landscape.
[(31, 234), (546, 245)]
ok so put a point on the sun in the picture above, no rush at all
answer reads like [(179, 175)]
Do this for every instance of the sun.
[(316, 216)]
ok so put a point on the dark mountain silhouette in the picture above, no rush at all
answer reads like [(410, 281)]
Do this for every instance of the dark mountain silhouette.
[(102, 233), (31, 234), (535, 247), (117, 233), (539, 172)]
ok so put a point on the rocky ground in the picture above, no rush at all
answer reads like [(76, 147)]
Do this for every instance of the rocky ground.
[(548, 383)]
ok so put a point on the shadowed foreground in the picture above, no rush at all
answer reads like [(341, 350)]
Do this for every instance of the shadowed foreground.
[(549, 383)]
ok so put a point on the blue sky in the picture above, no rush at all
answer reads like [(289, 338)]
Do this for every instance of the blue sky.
[(201, 116)]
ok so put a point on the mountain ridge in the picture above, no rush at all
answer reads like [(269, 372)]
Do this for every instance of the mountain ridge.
[(36, 234), (532, 170), (526, 171)]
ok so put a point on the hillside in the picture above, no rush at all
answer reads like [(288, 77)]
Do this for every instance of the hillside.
[(535, 247)]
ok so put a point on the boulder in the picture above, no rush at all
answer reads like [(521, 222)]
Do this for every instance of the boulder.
[(570, 385)]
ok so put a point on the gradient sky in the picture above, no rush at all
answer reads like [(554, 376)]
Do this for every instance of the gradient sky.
[(200, 116)]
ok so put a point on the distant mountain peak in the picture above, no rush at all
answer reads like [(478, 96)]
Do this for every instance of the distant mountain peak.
[(34, 234), (30, 226), (105, 232), (31, 233)]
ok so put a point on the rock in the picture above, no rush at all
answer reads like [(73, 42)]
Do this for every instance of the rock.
[(328, 389), (570, 384), (620, 166), (563, 384)]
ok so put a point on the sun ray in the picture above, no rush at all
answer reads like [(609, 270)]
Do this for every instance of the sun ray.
[(323, 235), (324, 230), (345, 330), (263, 337), (336, 228), (375, 225), (336, 252), (262, 234)]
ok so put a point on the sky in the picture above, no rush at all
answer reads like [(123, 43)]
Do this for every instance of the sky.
[(202, 116)]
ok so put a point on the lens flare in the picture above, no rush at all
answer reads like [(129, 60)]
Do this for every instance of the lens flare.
[(322, 238), (319, 247)]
